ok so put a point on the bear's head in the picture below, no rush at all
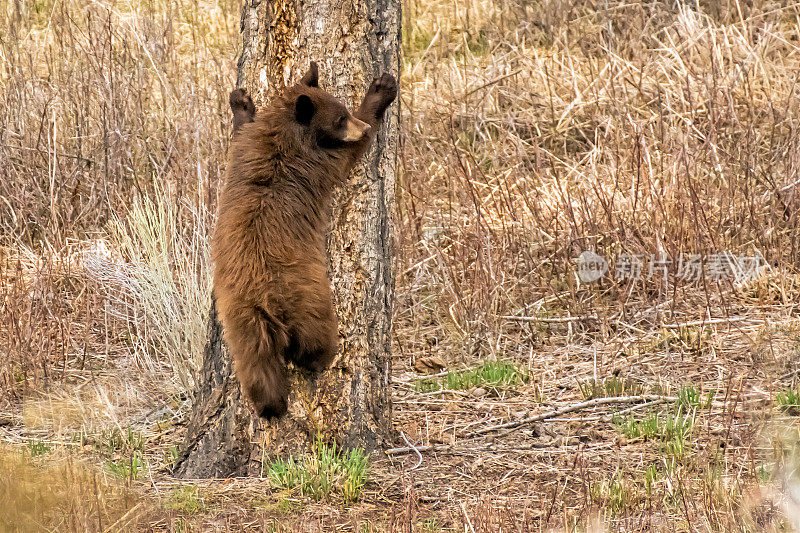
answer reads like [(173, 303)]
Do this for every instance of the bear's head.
[(325, 120)]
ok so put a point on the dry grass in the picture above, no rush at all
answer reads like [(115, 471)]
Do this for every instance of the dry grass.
[(65, 496), (531, 132), (638, 129), (157, 281), (112, 125), (102, 100)]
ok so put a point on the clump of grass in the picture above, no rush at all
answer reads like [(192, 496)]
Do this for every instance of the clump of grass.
[(689, 398), (612, 386), (158, 283), (112, 441), (612, 494), (789, 401), (672, 429), (430, 525), (427, 385), (119, 440), (689, 338), (491, 374), (185, 499), (677, 432), (319, 475), (632, 428), (127, 467), (38, 448), (651, 476), (123, 449)]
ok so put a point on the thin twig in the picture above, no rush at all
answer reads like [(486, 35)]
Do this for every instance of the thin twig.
[(415, 451), (492, 82), (466, 517), (708, 322), (408, 449)]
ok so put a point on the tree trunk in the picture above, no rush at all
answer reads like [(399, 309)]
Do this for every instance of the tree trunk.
[(353, 41)]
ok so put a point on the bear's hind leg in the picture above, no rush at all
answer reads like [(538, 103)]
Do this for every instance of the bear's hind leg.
[(312, 345), (266, 386), (313, 331), (257, 346)]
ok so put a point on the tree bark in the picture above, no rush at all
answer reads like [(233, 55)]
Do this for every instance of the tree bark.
[(353, 41)]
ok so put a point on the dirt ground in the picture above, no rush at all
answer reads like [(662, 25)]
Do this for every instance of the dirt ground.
[(732, 469)]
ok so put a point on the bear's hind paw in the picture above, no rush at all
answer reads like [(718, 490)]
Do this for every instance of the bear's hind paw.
[(273, 410)]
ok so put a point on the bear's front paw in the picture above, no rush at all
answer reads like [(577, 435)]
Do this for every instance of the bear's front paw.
[(241, 101), (382, 92), (243, 108)]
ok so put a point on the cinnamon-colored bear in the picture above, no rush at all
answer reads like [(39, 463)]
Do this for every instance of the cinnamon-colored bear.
[(271, 283)]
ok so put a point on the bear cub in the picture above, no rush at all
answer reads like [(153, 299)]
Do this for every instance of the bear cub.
[(271, 284)]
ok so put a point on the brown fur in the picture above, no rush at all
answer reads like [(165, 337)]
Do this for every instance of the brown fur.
[(270, 280)]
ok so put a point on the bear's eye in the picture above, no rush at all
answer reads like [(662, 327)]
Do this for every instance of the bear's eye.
[(340, 121)]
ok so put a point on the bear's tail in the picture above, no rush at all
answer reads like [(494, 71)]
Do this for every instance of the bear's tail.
[(258, 345)]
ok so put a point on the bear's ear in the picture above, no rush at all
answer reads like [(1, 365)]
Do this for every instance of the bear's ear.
[(311, 79), (304, 110)]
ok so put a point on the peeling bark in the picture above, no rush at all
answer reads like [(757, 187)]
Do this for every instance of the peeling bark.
[(353, 42)]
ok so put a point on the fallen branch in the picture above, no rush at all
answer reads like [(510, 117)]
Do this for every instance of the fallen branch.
[(575, 407), (645, 400), (709, 322), (554, 320), (607, 416)]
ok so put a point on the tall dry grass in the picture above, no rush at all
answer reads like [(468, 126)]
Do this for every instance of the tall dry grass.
[(113, 128), (535, 131), (66, 496), (103, 99)]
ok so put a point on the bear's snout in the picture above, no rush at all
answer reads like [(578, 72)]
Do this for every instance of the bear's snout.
[(355, 130)]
